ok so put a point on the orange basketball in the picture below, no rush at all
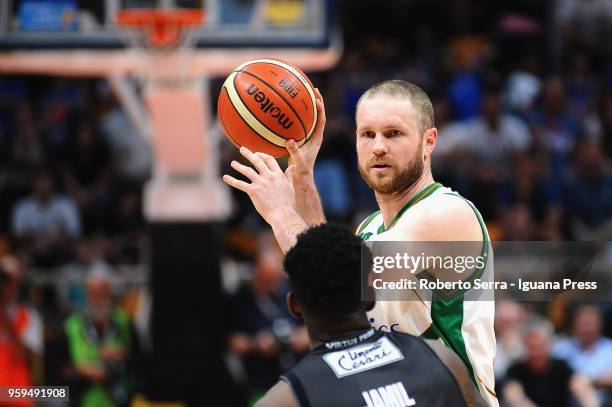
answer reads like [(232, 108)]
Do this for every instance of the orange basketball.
[(264, 103)]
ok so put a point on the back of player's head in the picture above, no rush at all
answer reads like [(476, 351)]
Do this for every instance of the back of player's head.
[(324, 271), (401, 89)]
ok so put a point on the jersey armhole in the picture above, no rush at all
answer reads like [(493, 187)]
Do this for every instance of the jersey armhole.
[(296, 386)]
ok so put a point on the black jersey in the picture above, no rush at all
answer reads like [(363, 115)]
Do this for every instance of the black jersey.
[(374, 369)]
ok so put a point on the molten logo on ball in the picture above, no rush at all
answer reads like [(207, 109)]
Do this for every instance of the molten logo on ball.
[(268, 107), (265, 102)]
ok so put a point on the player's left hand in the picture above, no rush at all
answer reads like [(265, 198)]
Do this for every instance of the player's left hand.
[(304, 157), (270, 189)]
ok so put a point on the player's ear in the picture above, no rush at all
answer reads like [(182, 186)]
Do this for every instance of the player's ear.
[(429, 141), (294, 307), (370, 305)]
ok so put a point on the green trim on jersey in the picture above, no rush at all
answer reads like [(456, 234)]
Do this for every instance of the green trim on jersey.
[(428, 190), (447, 317), (366, 222), (447, 313)]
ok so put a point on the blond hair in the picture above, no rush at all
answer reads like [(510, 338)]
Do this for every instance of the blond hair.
[(402, 89)]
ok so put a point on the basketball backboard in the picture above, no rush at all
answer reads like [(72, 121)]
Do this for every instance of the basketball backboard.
[(49, 24), (82, 38)]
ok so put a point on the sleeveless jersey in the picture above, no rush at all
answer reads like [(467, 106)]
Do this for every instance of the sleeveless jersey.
[(464, 326), (374, 369)]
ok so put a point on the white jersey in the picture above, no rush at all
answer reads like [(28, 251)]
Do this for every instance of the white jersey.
[(464, 326)]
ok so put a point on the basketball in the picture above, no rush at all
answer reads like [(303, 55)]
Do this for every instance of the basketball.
[(264, 103)]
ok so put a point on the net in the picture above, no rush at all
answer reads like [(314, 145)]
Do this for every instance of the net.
[(164, 40)]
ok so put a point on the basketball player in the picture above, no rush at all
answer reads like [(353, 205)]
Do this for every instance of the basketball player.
[(395, 140), (352, 364)]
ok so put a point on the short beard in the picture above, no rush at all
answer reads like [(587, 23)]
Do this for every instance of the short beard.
[(402, 180)]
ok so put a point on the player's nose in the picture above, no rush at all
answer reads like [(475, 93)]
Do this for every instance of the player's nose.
[(380, 145)]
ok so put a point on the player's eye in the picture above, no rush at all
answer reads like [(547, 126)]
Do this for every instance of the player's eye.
[(394, 133), (368, 134)]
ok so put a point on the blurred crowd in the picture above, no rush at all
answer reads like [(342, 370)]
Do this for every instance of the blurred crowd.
[(522, 93)]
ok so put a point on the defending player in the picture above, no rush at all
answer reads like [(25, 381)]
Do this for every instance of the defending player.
[(352, 364), (395, 140)]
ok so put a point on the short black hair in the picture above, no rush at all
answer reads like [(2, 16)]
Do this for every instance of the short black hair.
[(324, 269)]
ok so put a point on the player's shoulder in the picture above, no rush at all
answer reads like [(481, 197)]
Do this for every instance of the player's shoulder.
[(444, 203), (443, 216)]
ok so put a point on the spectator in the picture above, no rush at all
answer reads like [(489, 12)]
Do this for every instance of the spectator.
[(588, 194), (45, 222), (586, 23), (88, 260), (517, 224), (587, 351), (581, 83), (523, 85), (99, 343), (131, 151), (495, 136), (265, 335), (126, 226), (87, 174), (21, 336), (490, 140), (28, 149), (556, 128), (541, 380), (509, 317), (531, 185)]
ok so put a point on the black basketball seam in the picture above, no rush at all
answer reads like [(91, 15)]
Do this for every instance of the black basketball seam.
[(245, 122), (303, 75), (256, 118), (279, 95)]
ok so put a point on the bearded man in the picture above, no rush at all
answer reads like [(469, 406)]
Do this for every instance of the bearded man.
[(395, 139)]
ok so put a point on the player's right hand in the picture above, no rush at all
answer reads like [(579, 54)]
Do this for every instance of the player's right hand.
[(303, 158), (270, 190)]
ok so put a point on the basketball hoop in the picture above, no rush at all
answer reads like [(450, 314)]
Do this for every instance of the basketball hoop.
[(185, 183), (164, 40), (160, 29)]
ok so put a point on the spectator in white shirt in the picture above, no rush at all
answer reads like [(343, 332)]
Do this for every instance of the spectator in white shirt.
[(45, 223), (587, 351)]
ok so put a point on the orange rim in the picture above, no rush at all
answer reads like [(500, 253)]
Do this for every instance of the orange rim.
[(162, 27)]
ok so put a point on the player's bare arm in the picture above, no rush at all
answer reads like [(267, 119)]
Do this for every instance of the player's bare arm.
[(458, 370), (302, 159), (280, 395), (272, 194), (288, 201)]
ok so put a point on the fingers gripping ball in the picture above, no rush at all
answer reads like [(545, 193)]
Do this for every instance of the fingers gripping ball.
[(264, 103)]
